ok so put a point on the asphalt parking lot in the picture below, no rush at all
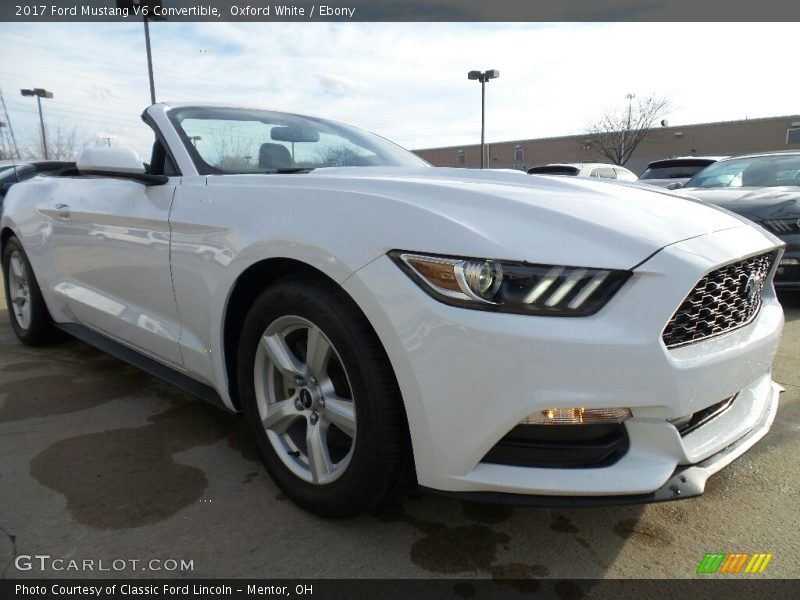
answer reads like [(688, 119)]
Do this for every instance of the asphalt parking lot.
[(98, 460)]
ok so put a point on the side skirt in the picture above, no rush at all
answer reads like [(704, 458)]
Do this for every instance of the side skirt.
[(145, 363)]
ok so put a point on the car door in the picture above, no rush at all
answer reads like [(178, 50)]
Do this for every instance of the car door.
[(111, 257)]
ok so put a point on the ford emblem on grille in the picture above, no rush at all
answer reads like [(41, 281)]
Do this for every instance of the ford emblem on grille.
[(752, 287)]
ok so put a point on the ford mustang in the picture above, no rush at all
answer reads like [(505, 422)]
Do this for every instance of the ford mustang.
[(494, 335)]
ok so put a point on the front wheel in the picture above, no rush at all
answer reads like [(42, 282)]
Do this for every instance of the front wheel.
[(321, 398), (27, 311)]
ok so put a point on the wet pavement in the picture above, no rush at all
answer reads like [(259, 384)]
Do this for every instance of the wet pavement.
[(99, 460)]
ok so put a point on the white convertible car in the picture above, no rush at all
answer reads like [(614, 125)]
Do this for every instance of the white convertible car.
[(500, 336)]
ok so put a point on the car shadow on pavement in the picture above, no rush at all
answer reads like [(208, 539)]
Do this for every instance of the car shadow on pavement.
[(123, 452)]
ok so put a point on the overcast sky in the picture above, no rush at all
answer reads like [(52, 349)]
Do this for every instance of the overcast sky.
[(405, 81)]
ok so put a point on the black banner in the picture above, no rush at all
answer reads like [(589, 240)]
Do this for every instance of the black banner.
[(399, 10), (381, 589)]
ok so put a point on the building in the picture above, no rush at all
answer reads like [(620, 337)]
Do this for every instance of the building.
[(726, 138)]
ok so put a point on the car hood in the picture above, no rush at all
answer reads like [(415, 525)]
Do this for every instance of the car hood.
[(758, 203), (536, 218)]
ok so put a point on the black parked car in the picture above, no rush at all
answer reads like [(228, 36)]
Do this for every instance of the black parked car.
[(764, 188), (669, 171)]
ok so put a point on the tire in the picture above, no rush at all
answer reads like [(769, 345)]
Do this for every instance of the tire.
[(308, 403), (27, 311)]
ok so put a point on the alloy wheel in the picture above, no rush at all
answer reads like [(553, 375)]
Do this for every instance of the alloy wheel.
[(305, 400), (19, 290)]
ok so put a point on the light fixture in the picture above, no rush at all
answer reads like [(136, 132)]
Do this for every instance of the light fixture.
[(509, 286), (577, 416)]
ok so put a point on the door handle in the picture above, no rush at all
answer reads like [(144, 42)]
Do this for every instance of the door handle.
[(63, 210)]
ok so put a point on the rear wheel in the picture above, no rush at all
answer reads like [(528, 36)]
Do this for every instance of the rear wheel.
[(27, 311), (321, 398)]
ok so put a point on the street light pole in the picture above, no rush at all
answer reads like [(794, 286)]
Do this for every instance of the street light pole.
[(630, 96), (483, 77), (41, 123), (483, 123), (40, 93)]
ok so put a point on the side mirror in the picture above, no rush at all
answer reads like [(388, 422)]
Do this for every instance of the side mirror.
[(675, 186), (118, 161)]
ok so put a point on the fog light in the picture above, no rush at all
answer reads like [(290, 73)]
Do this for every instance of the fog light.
[(790, 262), (577, 416)]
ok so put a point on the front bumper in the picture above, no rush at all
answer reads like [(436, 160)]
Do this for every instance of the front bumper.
[(685, 482), (468, 377)]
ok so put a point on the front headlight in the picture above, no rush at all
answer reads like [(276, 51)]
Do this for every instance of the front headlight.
[(515, 287)]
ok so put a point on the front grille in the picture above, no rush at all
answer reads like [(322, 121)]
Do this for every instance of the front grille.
[(723, 300), (782, 225)]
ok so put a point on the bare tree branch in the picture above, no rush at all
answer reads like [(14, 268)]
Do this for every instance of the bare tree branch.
[(6, 147), (63, 143), (235, 151), (617, 133), (338, 156)]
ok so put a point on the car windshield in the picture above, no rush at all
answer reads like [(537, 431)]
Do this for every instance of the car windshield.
[(755, 171), (233, 140)]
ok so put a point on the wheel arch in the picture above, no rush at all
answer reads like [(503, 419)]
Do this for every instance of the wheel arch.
[(248, 285)]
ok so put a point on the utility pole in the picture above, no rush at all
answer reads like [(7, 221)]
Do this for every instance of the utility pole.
[(8, 122), (40, 93), (151, 5), (149, 61), (483, 77)]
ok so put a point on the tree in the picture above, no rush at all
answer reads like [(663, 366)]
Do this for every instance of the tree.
[(6, 144), (618, 132), (339, 156), (63, 143), (235, 150), (5, 149)]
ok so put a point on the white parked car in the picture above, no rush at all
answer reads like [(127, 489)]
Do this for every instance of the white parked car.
[(558, 339), (598, 170)]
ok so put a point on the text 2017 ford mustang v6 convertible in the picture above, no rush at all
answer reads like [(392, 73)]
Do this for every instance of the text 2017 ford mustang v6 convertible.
[(533, 338)]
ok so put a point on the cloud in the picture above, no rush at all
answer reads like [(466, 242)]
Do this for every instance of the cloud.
[(405, 81), (340, 86)]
